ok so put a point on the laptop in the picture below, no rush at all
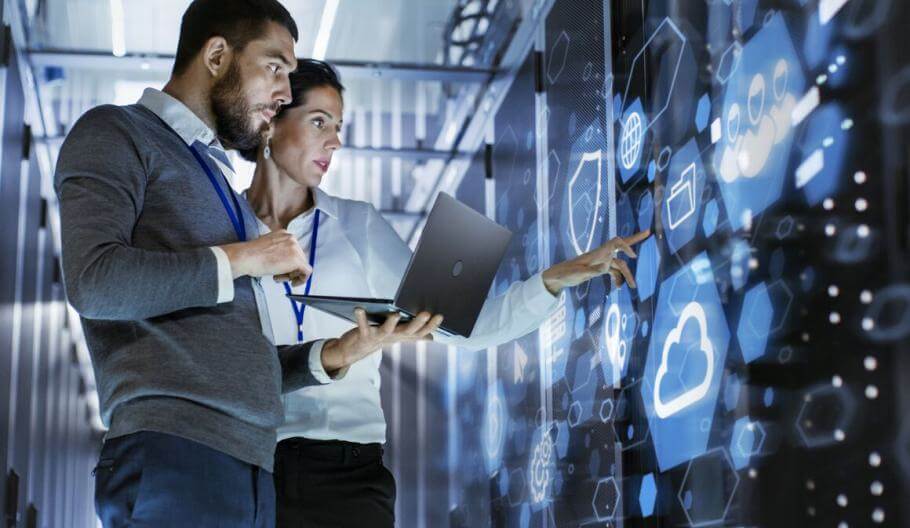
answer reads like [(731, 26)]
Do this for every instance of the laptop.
[(450, 273)]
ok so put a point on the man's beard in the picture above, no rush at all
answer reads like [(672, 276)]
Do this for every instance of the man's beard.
[(233, 113)]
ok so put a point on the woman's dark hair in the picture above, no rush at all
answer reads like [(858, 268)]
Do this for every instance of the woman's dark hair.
[(310, 73), (238, 21)]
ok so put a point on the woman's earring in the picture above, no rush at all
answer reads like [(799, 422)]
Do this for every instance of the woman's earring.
[(268, 149)]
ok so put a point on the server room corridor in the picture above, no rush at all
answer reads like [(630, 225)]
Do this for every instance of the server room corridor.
[(659, 277)]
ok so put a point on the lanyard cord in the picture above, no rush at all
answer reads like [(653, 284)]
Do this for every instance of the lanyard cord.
[(235, 213), (300, 308)]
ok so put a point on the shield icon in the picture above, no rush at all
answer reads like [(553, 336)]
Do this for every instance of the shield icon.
[(584, 200)]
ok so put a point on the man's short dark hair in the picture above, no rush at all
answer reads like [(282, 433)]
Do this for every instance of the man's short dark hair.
[(310, 73), (238, 21)]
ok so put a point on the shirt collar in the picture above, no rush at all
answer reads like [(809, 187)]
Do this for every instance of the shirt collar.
[(178, 116), (326, 203)]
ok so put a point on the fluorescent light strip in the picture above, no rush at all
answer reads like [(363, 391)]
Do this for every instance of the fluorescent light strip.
[(325, 29), (118, 36)]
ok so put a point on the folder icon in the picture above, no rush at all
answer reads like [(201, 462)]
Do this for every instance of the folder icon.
[(681, 203)]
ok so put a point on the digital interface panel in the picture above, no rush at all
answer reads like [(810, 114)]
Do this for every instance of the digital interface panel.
[(748, 380)]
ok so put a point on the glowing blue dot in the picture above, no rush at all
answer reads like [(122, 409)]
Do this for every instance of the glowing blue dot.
[(769, 397), (647, 495), (703, 113)]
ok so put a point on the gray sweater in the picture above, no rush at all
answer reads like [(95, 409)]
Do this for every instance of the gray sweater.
[(138, 216)]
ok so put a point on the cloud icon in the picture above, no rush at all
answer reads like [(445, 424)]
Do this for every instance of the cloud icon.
[(747, 154), (693, 310)]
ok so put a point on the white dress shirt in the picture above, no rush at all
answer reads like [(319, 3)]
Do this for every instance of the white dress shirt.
[(358, 254)]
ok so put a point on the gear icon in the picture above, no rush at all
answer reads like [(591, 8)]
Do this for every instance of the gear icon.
[(541, 468)]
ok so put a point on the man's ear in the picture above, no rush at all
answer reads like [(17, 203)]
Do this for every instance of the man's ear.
[(216, 55)]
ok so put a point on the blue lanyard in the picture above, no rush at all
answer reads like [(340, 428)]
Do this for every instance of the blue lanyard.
[(235, 213), (299, 308)]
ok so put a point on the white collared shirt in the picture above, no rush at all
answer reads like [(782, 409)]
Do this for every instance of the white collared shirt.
[(358, 254)]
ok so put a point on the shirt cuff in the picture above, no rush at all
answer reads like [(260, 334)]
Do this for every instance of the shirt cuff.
[(316, 368), (537, 298), (225, 276)]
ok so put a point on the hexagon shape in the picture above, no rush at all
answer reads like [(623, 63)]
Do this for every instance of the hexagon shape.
[(647, 495), (606, 499), (647, 267), (703, 496), (782, 298), (555, 168), (689, 313), (663, 159), (709, 224), (751, 163), (625, 216), (606, 411), (729, 62), (785, 227), (755, 323), (575, 414), (631, 140), (703, 113), (562, 439), (670, 39), (620, 326), (682, 203), (558, 55), (645, 211), (677, 296), (826, 413), (747, 441), (583, 375), (823, 135), (517, 486)]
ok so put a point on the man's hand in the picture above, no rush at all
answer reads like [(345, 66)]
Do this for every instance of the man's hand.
[(277, 253), (594, 264), (362, 341)]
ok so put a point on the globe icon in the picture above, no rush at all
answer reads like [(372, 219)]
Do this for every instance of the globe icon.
[(630, 141)]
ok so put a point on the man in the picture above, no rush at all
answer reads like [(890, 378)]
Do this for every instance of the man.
[(158, 252)]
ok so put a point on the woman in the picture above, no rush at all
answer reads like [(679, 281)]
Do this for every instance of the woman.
[(328, 467)]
